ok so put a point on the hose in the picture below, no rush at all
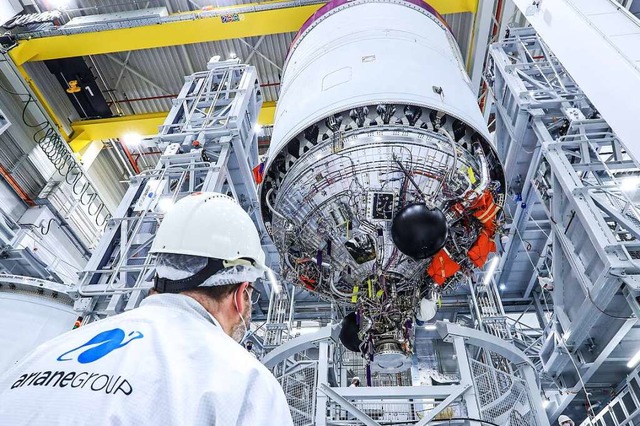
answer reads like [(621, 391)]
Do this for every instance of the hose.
[(335, 290), (271, 207), (57, 152)]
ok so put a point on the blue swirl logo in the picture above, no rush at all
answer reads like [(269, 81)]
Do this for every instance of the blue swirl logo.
[(101, 345)]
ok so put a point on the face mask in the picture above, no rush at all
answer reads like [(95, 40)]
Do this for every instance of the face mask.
[(241, 331)]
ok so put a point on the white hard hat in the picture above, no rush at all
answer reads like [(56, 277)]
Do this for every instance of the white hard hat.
[(563, 419), (355, 378), (211, 225)]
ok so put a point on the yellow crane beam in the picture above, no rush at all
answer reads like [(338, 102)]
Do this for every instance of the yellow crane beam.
[(178, 32), (86, 131), (23, 73), (188, 31)]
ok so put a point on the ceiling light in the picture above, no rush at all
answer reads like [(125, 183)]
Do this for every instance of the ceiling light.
[(258, 128), (545, 403), (634, 361), (430, 327), (503, 287), (132, 139), (630, 183), (492, 268)]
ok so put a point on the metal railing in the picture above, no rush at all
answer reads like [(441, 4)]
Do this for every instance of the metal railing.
[(503, 397), (300, 387), (624, 408)]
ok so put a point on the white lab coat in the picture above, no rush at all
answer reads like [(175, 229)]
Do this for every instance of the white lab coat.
[(167, 362)]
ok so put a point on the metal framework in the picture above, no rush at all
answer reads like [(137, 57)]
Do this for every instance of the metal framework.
[(611, 32), (208, 142), (28, 256), (239, 21), (580, 228), (86, 131), (504, 393), (624, 409), (279, 318), (70, 190), (15, 258)]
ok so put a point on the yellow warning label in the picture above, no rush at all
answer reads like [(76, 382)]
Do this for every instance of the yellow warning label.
[(472, 176)]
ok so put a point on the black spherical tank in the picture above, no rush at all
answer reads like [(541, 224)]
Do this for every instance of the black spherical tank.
[(418, 231), (349, 333)]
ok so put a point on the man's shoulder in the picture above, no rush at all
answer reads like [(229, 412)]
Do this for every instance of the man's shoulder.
[(236, 355), (264, 374)]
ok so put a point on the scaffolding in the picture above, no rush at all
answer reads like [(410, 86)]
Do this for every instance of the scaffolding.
[(479, 392), (568, 171), (208, 143), (624, 408)]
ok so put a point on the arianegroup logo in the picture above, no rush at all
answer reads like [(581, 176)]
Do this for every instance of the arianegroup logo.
[(102, 344), (99, 346)]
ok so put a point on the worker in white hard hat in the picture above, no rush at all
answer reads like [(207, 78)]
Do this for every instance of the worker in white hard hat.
[(565, 421), (355, 382), (174, 360)]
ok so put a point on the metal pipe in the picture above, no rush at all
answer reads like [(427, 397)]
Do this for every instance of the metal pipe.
[(133, 162), (147, 98), (187, 16), (98, 7), (121, 156), (16, 187)]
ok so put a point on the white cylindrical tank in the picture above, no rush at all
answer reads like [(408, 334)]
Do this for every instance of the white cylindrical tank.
[(31, 312), (354, 53), (381, 186)]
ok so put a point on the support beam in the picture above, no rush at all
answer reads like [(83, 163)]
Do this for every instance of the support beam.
[(43, 101), (449, 332), (466, 376), (373, 393), (592, 368), (441, 406), (347, 405), (322, 376), (478, 50), (144, 124), (267, 113), (299, 344), (173, 32), (111, 128), (125, 66), (254, 49), (611, 33), (198, 27)]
